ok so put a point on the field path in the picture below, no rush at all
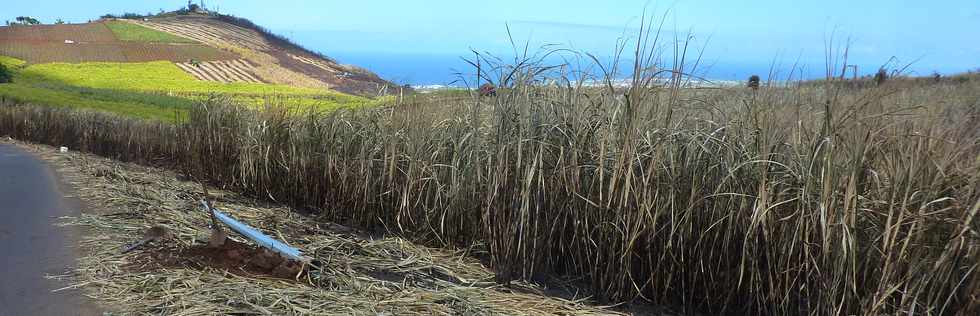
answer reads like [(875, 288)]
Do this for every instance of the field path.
[(31, 246)]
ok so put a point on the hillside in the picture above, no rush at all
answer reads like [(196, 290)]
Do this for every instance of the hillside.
[(158, 67), (273, 59), (209, 47), (97, 42)]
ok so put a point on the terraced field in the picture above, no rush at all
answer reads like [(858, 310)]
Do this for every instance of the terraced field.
[(96, 42), (272, 63), (81, 33), (161, 67), (160, 89), (238, 70), (209, 31)]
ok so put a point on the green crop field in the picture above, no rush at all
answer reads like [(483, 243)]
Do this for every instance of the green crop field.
[(65, 98), (125, 31), (156, 90)]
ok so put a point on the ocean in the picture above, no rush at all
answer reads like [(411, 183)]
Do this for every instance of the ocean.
[(434, 70)]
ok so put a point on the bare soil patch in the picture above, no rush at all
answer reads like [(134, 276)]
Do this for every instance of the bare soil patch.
[(234, 257)]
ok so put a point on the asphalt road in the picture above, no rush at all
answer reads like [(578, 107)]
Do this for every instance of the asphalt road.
[(31, 246)]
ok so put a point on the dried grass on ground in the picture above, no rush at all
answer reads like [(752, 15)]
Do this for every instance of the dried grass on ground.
[(359, 274)]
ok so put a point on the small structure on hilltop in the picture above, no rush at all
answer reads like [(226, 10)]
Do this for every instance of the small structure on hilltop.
[(753, 82), (488, 90)]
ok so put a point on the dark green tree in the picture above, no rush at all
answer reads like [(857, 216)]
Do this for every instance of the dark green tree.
[(753, 82), (881, 76), (25, 20), (6, 75)]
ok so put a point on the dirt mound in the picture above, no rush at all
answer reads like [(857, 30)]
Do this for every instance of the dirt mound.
[(234, 257)]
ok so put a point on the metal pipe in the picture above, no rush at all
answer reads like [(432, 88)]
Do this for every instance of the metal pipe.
[(257, 236)]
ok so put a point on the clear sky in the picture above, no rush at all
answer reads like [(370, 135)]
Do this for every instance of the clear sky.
[(941, 35)]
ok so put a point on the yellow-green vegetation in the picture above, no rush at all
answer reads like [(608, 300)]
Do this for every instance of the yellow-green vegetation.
[(164, 77), (153, 89), (38, 88), (159, 76), (126, 31), (63, 98), (11, 62)]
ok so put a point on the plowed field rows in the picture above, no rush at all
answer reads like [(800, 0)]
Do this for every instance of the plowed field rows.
[(94, 42), (222, 71), (273, 63), (332, 68), (206, 31), (36, 52), (80, 33)]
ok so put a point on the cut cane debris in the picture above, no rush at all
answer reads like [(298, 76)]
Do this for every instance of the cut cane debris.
[(350, 273)]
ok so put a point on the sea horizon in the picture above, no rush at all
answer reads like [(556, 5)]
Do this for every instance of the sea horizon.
[(449, 70)]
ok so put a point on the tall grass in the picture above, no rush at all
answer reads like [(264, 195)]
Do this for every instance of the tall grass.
[(806, 199)]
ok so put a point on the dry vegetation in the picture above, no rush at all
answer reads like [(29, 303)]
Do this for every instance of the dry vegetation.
[(808, 199), (353, 274)]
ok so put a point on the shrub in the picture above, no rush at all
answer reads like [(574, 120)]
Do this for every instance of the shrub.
[(754, 82), (6, 75), (26, 20), (881, 76)]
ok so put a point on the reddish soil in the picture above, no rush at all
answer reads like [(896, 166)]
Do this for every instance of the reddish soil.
[(94, 42), (235, 257), (88, 32), (37, 52)]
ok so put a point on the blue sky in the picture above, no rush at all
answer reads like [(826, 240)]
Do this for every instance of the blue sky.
[(941, 35)]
